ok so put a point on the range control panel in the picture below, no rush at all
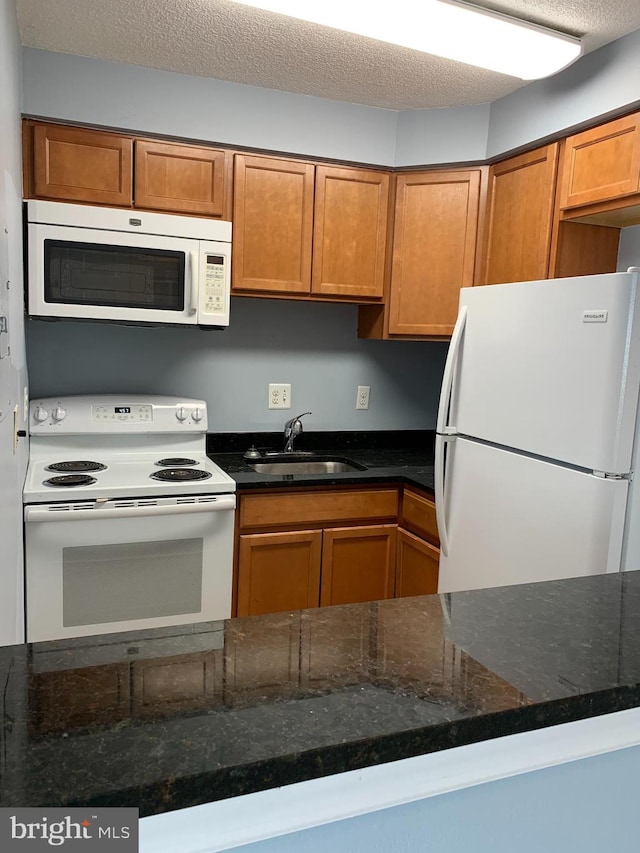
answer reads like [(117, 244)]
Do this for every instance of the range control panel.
[(112, 413)]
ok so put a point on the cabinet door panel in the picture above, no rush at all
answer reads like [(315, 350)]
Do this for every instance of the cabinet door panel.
[(82, 165), (272, 225), (358, 564), (433, 250), (181, 178), (350, 231), (417, 566), (278, 571), (520, 216), (602, 163)]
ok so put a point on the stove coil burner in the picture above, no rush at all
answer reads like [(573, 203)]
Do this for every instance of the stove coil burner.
[(77, 466), (70, 480), (176, 462), (180, 475)]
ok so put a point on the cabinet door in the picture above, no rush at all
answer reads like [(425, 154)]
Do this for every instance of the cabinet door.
[(602, 163), (350, 232), (272, 225), (434, 246), (74, 164), (519, 217), (278, 571), (181, 178), (417, 566), (358, 564)]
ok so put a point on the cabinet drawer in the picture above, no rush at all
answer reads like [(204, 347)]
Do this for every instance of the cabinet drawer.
[(419, 515), (287, 510)]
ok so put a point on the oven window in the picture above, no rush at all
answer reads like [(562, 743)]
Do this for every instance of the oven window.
[(116, 276), (138, 580)]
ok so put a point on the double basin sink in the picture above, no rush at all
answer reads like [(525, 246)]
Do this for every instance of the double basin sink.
[(303, 463)]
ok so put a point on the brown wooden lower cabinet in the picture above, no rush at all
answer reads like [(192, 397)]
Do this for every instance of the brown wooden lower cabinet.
[(279, 571), (358, 564), (294, 570), (417, 566), (341, 559)]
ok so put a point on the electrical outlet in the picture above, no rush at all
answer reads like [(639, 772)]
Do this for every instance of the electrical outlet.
[(279, 396), (362, 397)]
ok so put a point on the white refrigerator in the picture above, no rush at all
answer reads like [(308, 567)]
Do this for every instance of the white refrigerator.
[(537, 433)]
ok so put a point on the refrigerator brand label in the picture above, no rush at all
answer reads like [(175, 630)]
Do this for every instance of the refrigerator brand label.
[(595, 316)]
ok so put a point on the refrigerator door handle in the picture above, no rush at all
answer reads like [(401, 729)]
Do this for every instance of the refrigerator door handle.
[(439, 470), (449, 369)]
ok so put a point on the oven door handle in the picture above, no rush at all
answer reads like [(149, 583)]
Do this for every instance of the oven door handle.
[(96, 511)]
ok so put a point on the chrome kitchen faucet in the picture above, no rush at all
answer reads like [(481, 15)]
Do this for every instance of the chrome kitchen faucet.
[(292, 428)]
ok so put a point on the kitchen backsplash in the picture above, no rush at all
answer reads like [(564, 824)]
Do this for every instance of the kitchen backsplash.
[(314, 347)]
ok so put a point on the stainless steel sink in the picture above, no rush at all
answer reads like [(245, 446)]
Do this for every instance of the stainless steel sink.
[(309, 465)]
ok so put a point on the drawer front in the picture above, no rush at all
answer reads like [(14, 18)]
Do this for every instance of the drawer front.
[(419, 515), (318, 508)]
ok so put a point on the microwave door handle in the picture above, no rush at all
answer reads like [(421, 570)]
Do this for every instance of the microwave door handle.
[(193, 282)]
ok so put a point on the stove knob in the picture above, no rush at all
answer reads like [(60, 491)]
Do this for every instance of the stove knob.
[(181, 413), (59, 414), (197, 415), (40, 414)]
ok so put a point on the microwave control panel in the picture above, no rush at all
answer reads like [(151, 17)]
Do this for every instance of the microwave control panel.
[(215, 285)]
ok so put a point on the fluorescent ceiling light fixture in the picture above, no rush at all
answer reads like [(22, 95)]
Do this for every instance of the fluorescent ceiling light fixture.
[(447, 28)]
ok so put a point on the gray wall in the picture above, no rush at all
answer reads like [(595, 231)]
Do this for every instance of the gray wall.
[(311, 346), (91, 91), (12, 367), (603, 82)]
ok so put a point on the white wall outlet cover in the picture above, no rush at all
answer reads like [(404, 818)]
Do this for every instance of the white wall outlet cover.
[(362, 397), (279, 395)]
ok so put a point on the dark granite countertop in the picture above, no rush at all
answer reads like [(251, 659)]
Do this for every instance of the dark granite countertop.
[(171, 718), (400, 456)]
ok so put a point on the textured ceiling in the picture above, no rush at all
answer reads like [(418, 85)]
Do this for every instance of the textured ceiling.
[(223, 40)]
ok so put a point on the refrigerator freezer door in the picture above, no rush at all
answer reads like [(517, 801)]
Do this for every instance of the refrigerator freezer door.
[(552, 368), (516, 519)]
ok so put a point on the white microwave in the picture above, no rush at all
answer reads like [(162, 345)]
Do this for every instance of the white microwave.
[(127, 266)]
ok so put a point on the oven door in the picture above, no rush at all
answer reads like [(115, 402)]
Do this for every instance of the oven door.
[(123, 565), (107, 275)]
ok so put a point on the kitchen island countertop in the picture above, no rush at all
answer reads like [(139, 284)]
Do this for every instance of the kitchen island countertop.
[(170, 718)]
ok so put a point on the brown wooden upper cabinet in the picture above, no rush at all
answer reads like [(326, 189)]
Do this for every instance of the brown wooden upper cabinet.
[(433, 255), (602, 163), (349, 232), (272, 225), (74, 164), (180, 178), (94, 167), (519, 217), (600, 181), (308, 231)]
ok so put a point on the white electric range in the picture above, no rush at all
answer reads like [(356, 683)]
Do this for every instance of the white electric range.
[(128, 524)]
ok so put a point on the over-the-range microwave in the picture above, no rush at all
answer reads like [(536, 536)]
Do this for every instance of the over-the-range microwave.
[(127, 266)]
